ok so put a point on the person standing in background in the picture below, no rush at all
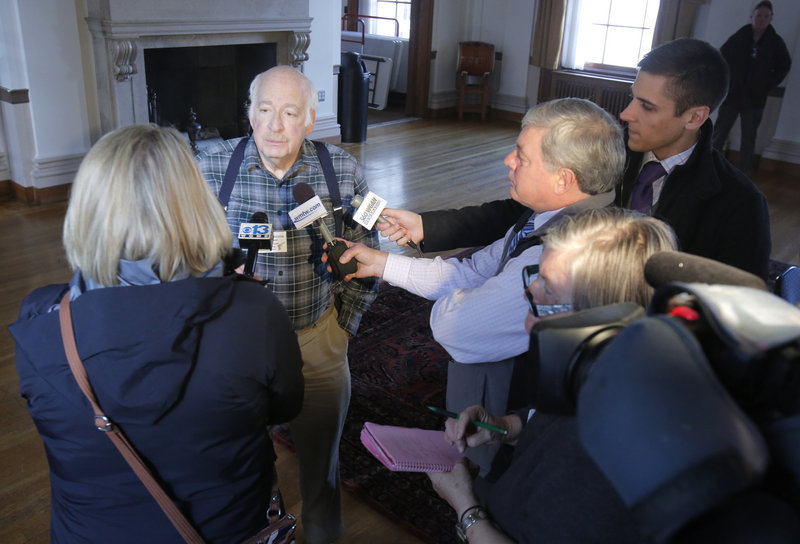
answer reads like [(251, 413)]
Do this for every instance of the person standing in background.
[(758, 61)]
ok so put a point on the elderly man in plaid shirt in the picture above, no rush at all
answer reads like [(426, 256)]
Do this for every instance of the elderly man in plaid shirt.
[(325, 312)]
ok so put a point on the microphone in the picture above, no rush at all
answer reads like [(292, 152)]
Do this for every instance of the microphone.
[(255, 235), (671, 266), (311, 211), (358, 200)]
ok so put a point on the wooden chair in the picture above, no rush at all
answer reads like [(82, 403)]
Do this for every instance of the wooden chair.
[(475, 63)]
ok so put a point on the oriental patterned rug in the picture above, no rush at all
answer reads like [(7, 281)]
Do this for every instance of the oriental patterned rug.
[(397, 369)]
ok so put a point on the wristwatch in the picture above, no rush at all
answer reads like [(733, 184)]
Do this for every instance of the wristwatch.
[(471, 518)]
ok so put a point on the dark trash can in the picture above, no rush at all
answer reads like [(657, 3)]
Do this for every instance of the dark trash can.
[(353, 95)]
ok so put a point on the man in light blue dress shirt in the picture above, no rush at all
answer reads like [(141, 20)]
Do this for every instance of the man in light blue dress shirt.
[(569, 156)]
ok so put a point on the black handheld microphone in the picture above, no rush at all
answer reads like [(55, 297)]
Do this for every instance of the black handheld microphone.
[(255, 235), (356, 202), (671, 266), (302, 193)]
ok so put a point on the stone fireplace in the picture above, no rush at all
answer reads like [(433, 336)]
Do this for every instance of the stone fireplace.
[(123, 30)]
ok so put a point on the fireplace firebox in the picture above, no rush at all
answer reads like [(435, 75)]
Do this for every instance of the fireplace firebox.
[(206, 85)]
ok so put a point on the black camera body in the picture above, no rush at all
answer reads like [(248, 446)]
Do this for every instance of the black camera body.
[(685, 408)]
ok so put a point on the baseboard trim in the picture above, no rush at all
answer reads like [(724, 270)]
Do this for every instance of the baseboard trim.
[(6, 192), (326, 128), (766, 164), (33, 195), (505, 115), (773, 165)]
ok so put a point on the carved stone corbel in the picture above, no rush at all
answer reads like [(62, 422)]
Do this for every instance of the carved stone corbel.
[(298, 46), (123, 53)]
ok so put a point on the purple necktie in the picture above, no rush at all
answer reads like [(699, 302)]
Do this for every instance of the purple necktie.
[(642, 195)]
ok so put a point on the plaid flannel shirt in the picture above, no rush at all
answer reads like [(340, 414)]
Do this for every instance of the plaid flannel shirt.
[(298, 277)]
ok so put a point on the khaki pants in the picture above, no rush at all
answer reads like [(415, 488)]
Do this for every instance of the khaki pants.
[(316, 432)]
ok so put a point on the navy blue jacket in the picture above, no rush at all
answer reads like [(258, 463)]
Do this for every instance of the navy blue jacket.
[(193, 371), (553, 491)]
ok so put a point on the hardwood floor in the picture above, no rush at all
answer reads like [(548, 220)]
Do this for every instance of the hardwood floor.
[(418, 165)]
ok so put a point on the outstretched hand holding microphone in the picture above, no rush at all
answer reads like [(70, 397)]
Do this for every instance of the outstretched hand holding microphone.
[(367, 262), (346, 260), (399, 226), (370, 263)]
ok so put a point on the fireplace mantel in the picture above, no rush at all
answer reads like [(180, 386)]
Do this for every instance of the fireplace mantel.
[(121, 30)]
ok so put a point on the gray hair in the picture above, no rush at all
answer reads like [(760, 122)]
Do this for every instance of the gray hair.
[(139, 194), (583, 137), (306, 87), (608, 250)]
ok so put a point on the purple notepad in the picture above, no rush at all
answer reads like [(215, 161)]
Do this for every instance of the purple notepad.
[(406, 449)]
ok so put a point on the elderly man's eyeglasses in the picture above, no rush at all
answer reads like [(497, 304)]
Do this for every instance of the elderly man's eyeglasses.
[(529, 274)]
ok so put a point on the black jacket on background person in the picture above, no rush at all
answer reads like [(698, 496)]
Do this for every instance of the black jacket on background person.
[(715, 210), (753, 78)]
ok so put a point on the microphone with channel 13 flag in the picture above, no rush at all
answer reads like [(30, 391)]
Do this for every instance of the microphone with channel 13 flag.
[(369, 210), (255, 235), (311, 210)]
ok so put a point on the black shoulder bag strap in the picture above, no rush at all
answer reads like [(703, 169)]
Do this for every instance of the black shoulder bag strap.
[(232, 173), (333, 184)]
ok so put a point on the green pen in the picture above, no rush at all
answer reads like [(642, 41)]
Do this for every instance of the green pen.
[(448, 413)]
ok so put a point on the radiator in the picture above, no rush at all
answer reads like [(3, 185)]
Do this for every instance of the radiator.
[(612, 94)]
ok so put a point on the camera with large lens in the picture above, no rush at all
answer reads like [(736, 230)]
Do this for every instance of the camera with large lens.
[(691, 410), (750, 337), (563, 349)]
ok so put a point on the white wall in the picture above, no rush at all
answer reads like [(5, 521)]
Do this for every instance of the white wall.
[(48, 136), (16, 132), (779, 134), (53, 60), (324, 52), (448, 30), (506, 24)]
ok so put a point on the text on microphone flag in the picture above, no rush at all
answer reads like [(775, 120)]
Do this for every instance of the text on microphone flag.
[(369, 210), (308, 212)]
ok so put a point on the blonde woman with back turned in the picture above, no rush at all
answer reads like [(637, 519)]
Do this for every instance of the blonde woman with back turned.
[(175, 351)]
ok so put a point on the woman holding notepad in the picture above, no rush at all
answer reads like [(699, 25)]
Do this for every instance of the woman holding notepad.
[(551, 491)]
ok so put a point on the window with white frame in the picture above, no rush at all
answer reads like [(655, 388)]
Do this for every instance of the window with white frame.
[(608, 35), (395, 17)]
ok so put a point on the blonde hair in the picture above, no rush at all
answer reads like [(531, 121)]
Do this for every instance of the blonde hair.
[(608, 249), (139, 194)]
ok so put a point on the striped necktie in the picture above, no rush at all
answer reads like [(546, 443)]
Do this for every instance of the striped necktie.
[(528, 228), (642, 194)]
